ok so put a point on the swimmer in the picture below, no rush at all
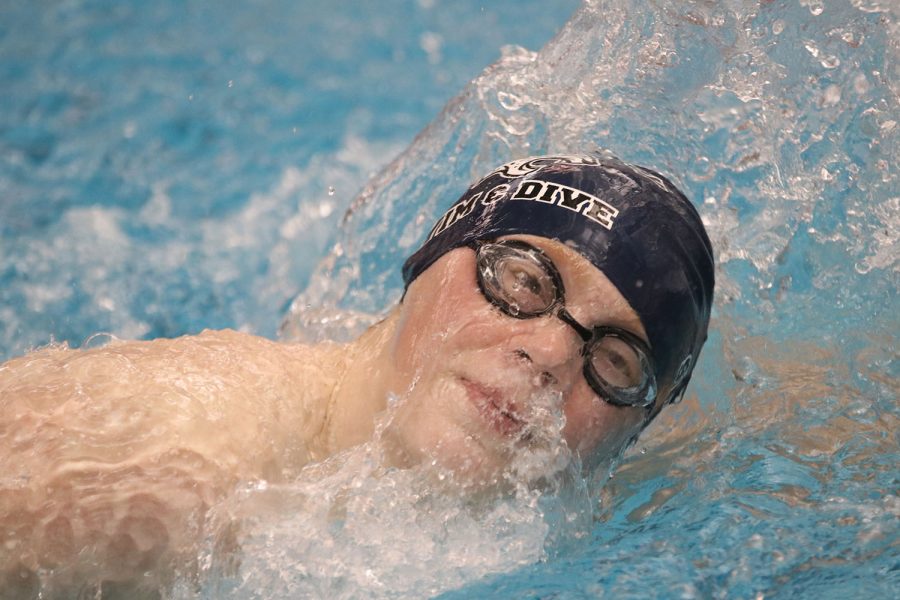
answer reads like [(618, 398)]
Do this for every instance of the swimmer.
[(576, 279)]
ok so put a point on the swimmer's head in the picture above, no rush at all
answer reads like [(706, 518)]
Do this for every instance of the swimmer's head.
[(629, 222)]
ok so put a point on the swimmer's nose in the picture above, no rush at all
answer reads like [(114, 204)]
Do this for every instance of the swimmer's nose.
[(543, 379), (553, 348)]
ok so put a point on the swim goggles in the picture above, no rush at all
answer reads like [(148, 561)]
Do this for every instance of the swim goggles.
[(523, 282)]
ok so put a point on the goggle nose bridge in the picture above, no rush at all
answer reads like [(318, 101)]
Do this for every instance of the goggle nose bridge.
[(583, 332)]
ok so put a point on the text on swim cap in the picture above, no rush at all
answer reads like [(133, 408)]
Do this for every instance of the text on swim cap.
[(576, 200), (536, 190), (464, 207)]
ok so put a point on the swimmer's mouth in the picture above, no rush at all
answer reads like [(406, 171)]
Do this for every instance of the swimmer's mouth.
[(500, 414)]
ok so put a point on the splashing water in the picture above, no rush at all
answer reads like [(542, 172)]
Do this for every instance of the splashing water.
[(777, 476), (350, 526)]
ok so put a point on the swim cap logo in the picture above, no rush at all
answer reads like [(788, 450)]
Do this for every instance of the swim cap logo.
[(526, 166), (575, 200)]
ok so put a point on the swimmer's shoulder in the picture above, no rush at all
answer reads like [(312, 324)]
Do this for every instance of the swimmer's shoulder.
[(305, 364), (297, 380)]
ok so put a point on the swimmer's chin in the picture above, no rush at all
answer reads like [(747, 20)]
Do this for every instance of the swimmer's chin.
[(457, 463), (465, 435)]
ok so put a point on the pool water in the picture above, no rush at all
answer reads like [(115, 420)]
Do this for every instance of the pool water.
[(169, 166)]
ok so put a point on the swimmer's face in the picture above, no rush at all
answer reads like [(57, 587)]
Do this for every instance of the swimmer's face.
[(475, 382)]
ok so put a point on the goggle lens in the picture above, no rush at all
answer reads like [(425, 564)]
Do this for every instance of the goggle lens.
[(617, 362), (517, 282)]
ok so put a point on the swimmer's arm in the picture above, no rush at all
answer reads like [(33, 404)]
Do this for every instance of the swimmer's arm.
[(110, 458)]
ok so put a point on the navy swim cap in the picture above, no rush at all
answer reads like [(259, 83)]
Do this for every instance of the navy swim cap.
[(631, 223)]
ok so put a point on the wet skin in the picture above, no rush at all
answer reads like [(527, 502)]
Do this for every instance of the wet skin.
[(467, 373)]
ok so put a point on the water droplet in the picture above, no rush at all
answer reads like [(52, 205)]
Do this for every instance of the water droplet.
[(514, 309), (331, 190), (509, 101), (831, 62), (816, 7)]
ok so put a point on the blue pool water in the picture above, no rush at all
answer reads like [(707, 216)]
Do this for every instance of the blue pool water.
[(170, 166)]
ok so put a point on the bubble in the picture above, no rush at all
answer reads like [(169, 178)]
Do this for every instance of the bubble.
[(509, 101), (98, 340), (331, 190), (816, 7)]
